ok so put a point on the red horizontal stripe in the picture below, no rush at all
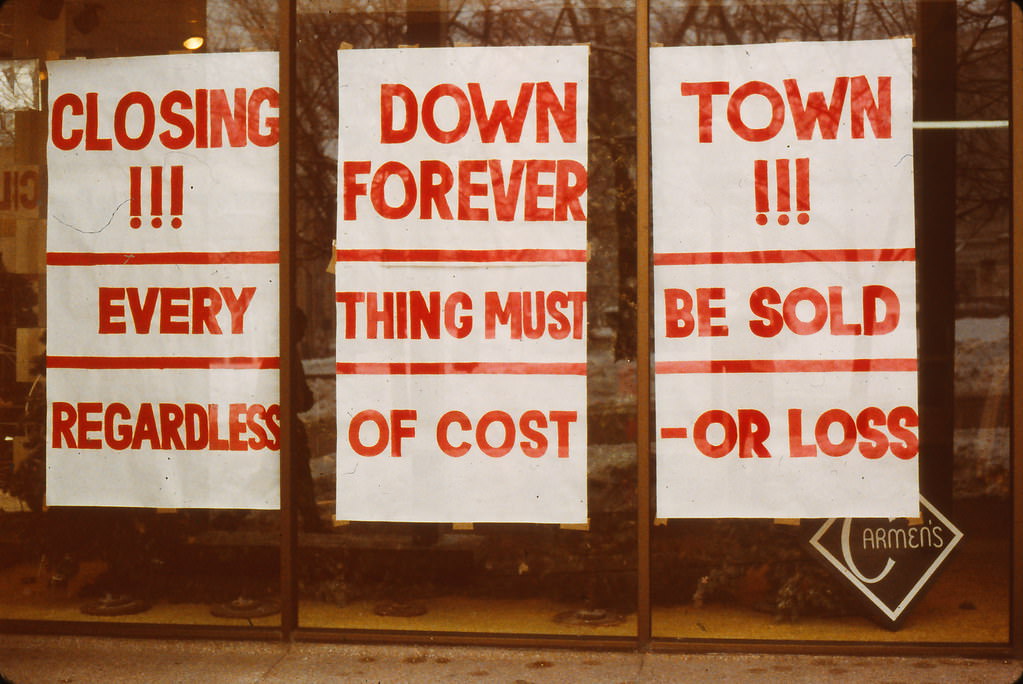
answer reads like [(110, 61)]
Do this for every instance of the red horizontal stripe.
[(464, 255), (158, 258), (785, 366), (783, 256), (161, 362), (471, 368), (674, 433)]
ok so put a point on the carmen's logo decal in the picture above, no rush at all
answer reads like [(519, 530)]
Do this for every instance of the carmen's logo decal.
[(889, 561)]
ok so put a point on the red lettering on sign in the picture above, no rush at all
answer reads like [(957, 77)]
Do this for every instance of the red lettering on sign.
[(461, 126), (443, 425), (221, 118), (548, 106), (822, 432), (730, 433), (734, 112), (900, 420), (404, 315), (467, 189), (164, 426), (878, 111), (495, 433), (145, 134), (753, 430), (814, 112), (182, 310), (867, 422), (392, 432), (500, 114), (749, 432), (433, 193), (868, 425), (200, 119), (535, 189), (821, 310), (678, 312), (535, 314), (705, 92)]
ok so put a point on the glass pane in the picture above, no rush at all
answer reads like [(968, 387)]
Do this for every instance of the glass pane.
[(116, 564), (483, 577), (742, 579)]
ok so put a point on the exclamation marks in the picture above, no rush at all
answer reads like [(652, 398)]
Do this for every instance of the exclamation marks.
[(763, 205), (156, 195), (177, 187), (135, 204), (783, 190), (803, 190), (781, 173), (156, 192)]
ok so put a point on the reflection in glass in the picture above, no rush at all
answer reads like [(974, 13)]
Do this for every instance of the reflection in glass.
[(109, 565), (755, 579), (485, 577)]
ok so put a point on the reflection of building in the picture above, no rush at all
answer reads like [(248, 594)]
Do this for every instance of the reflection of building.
[(983, 280)]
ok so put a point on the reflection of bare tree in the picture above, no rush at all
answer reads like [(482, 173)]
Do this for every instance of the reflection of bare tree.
[(609, 31), (608, 27), (982, 93), (324, 26), (983, 193), (754, 21)]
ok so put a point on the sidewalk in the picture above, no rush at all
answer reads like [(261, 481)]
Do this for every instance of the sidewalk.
[(80, 660)]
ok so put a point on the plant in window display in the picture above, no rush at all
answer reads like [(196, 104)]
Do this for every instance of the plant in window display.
[(752, 563)]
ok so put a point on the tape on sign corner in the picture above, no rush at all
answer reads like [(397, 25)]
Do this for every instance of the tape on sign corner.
[(913, 522), (586, 44), (459, 43), (461, 526), (794, 522), (582, 527), (345, 45), (332, 264), (415, 45), (342, 523), (656, 44), (660, 522)]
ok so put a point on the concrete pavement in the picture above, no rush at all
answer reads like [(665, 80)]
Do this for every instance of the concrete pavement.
[(74, 660)]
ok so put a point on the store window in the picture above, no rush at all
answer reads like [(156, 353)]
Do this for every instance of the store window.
[(726, 579), (499, 577), (74, 549), (84, 540)]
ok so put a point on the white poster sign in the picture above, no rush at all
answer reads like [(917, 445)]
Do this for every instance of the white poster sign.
[(162, 282), (461, 285), (784, 280)]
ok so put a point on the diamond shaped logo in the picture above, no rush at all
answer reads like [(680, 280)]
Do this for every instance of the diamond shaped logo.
[(890, 561)]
